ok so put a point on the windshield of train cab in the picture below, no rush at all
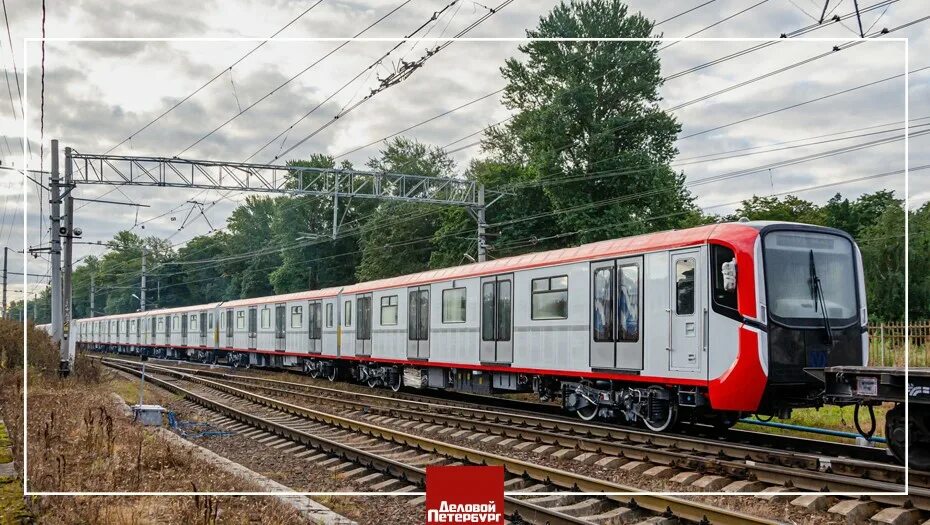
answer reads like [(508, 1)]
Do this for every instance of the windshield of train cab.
[(810, 279)]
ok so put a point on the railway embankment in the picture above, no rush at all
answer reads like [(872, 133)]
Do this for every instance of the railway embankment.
[(80, 441)]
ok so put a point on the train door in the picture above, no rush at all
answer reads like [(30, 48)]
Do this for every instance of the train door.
[(315, 326), (616, 303), (203, 328), (418, 322), (184, 323), (280, 329), (685, 317), (138, 323), (229, 327), (497, 319), (253, 327), (363, 325)]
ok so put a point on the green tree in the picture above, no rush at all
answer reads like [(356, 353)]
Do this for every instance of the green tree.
[(251, 257), (589, 125), (919, 270), (315, 260), (882, 246), (787, 209), (396, 238)]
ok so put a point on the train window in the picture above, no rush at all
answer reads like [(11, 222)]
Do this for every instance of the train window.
[(504, 293), (453, 305), (550, 298), (603, 315), (240, 320), (193, 322), (721, 255), (628, 304), (329, 315), (418, 315), (315, 323), (229, 322), (364, 317), (266, 317), (210, 320), (347, 314), (424, 315), (487, 311), (684, 286), (297, 316), (389, 310), (279, 325), (253, 322)]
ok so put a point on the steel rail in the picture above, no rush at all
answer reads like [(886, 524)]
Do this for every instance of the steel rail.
[(816, 473), (684, 509), (397, 469)]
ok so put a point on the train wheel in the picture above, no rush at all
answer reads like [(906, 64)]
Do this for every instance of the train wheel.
[(663, 414), (587, 412), (372, 382), (315, 372), (333, 374), (895, 429), (399, 382)]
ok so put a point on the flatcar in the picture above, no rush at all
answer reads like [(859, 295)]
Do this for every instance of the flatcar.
[(704, 323), (871, 386)]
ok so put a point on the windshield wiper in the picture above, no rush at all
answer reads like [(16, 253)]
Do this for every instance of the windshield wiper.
[(817, 296)]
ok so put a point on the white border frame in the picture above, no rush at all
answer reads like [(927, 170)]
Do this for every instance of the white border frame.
[(28, 40)]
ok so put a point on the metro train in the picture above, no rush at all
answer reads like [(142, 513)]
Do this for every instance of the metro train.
[(702, 324)]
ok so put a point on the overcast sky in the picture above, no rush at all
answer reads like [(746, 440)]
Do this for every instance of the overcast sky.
[(98, 93)]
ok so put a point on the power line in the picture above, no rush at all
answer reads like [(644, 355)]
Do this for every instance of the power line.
[(207, 263), (291, 79), (218, 75), (397, 77), (418, 124), (534, 240), (9, 36), (364, 70)]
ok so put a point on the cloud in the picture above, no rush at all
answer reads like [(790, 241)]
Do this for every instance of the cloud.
[(99, 93)]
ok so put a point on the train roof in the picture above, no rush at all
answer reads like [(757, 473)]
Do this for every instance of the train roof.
[(648, 242)]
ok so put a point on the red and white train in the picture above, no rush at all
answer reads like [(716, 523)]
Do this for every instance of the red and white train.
[(702, 323)]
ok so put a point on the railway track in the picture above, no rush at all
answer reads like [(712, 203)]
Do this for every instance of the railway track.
[(753, 465), (737, 437), (558, 496)]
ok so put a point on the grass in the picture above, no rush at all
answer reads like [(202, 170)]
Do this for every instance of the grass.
[(893, 355), (79, 440), (129, 391), (12, 508), (5, 455), (828, 417)]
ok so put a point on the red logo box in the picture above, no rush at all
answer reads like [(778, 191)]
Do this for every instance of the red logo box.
[(464, 495)]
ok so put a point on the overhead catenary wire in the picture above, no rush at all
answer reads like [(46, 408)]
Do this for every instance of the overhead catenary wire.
[(397, 78), (214, 78), (207, 263), (480, 131), (534, 240), (369, 68), (290, 79)]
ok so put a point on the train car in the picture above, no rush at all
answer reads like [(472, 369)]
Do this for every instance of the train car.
[(705, 323), (870, 386)]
